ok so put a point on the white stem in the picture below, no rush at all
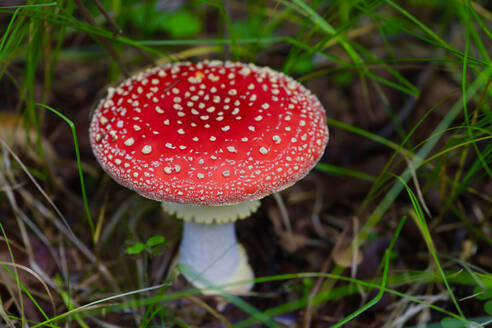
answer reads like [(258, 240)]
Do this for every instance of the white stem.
[(210, 251)]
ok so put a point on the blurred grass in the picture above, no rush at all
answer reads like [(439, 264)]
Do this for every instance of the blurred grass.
[(37, 35)]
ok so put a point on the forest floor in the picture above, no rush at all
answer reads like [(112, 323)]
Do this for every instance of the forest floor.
[(361, 249)]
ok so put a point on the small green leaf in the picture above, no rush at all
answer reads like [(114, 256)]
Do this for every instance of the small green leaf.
[(308, 283), (343, 78), (488, 307), (303, 64), (155, 241), (451, 323), (135, 249), (249, 28), (182, 24), (482, 294)]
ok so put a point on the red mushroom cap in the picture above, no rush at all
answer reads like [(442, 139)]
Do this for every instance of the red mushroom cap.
[(210, 133)]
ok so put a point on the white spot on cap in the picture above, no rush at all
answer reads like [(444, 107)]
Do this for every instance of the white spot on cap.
[(108, 103), (245, 71), (103, 120), (146, 149), (200, 176), (258, 118), (113, 135), (263, 150), (194, 79), (226, 173), (181, 131), (232, 149), (159, 110), (302, 123), (177, 168), (225, 128), (233, 92), (212, 138), (129, 141), (166, 122), (168, 170), (244, 139), (276, 139), (213, 78)]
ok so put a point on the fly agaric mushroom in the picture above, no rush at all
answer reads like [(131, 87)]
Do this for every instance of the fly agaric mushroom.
[(209, 140)]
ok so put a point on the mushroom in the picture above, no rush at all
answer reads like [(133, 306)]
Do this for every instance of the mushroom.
[(208, 140)]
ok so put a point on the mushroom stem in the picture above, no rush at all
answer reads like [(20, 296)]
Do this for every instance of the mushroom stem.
[(212, 257)]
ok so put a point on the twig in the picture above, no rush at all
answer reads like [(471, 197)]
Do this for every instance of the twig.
[(226, 55), (116, 28), (62, 224), (417, 186), (309, 308), (283, 211), (118, 31), (105, 43), (318, 206), (409, 104), (209, 309)]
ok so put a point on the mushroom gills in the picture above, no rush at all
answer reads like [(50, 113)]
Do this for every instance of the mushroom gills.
[(207, 214)]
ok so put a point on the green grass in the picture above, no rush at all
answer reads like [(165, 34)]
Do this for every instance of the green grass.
[(318, 40)]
